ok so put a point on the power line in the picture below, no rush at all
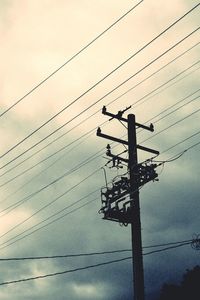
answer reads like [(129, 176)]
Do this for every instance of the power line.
[(20, 202), (189, 137), (168, 248), (171, 106), (51, 222), (53, 215), (46, 158), (171, 125), (83, 268), (64, 256), (176, 109), (23, 200), (140, 102), (70, 59), (65, 208), (65, 174), (167, 244), (92, 87), (42, 171), (65, 272), (185, 242)]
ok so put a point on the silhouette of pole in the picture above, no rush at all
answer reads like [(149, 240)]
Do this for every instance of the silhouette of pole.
[(138, 273)]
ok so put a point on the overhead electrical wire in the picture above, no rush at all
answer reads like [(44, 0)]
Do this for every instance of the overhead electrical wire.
[(44, 170), (25, 199), (65, 272), (51, 222), (53, 215), (171, 125), (146, 98), (63, 148), (48, 204), (171, 106), (91, 253), (167, 248), (177, 144), (70, 59), (84, 268), (176, 109), (102, 79), (79, 165), (65, 255)]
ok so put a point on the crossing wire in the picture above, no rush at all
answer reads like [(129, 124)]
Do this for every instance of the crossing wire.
[(92, 87), (80, 123), (70, 59)]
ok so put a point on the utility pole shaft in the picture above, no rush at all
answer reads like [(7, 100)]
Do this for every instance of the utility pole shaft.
[(138, 273)]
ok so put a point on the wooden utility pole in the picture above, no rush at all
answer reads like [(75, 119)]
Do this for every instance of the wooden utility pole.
[(114, 204)]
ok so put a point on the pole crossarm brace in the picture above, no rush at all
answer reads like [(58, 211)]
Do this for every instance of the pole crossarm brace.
[(118, 116), (114, 139)]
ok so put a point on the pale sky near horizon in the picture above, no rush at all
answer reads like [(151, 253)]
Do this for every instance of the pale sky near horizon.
[(37, 37)]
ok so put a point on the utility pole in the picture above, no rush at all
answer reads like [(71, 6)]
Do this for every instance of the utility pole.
[(114, 202)]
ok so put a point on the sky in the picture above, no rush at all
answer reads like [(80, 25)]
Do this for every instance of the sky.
[(61, 174)]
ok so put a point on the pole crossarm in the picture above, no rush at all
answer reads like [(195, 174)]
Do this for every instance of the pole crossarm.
[(148, 149), (118, 116), (112, 138)]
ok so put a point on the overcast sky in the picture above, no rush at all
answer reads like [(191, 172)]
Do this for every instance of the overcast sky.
[(39, 36)]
